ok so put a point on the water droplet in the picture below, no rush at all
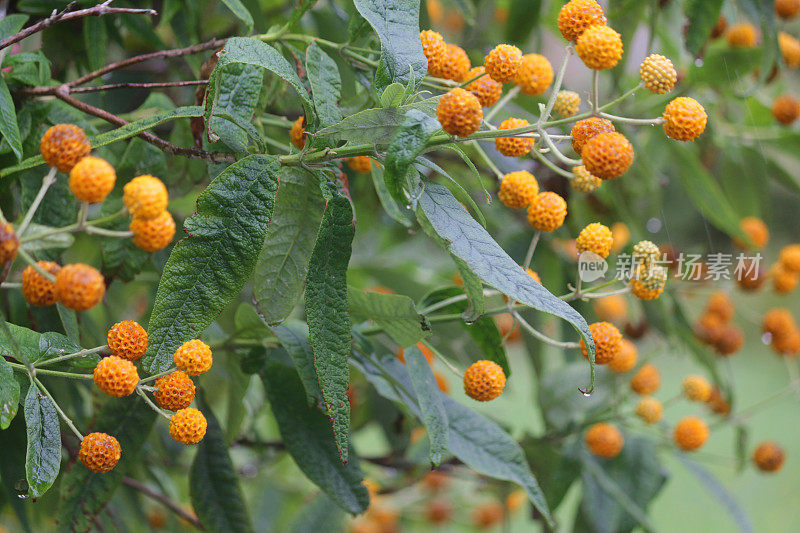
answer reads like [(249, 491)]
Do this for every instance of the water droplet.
[(698, 62), (408, 206), (469, 322), (586, 394), (766, 338), (654, 225)]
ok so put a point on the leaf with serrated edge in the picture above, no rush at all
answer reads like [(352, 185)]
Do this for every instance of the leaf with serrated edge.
[(282, 265), (237, 97), (43, 460), (327, 312), (9, 128), (213, 483), (208, 268), (395, 313), (433, 413)]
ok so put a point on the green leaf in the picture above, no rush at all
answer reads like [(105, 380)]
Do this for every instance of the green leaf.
[(407, 144), (11, 24), (326, 85), (241, 12), (429, 397), (702, 16), (397, 24), (46, 242), (321, 514), (12, 469), (523, 16), (395, 313), (95, 41), (84, 493), (237, 96), (741, 448), (389, 204), (327, 313), (31, 346), (123, 132), (293, 336), (9, 129), (43, 459), (282, 266), (208, 268), (470, 242), (718, 490), (300, 9), (307, 435), (393, 95), (763, 12), (9, 394), (253, 52), (213, 484), (473, 288), (377, 125)]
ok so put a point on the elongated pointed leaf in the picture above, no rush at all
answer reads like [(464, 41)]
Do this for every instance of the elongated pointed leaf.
[(307, 434), (282, 265), (395, 313), (389, 204), (328, 317), (237, 97), (43, 460), (407, 144), (293, 336), (213, 484), (326, 85), (9, 129), (431, 407), (377, 125), (209, 267), (9, 394), (241, 12), (701, 15)]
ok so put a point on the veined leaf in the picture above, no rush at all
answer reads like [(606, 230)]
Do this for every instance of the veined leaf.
[(9, 394), (406, 145), (95, 41), (397, 24), (327, 312), (307, 434), (9, 129), (326, 85), (431, 408), (213, 483), (471, 243), (43, 460), (209, 267), (473, 288), (293, 336), (11, 24), (702, 16), (282, 265), (389, 205), (395, 313), (237, 96), (241, 12), (45, 242), (393, 95), (300, 9)]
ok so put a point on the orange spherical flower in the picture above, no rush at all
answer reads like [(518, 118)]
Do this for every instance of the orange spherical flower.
[(649, 410), (785, 281), (99, 452), (516, 500), (567, 104), (599, 47), (607, 342), (720, 304), (187, 426), (647, 380), (439, 511), (127, 339), (778, 322), (756, 231), (297, 133), (587, 129), (696, 388), (454, 65), (658, 74), (583, 180), (153, 234), (690, 433), (608, 155), (612, 308), (459, 112), (729, 340), (503, 62), (788, 344), (513, 146), (621, 235), (625, 360), (487, 515), (518, 189), (36, 289), (91, 179), (547, 211), (174, 391), (576, 16), (79, 287), (534, 275), (436, 480), (742, 35), (786, 109), (362, 164), (484, 381), (434, 48), (145, 196), (63, 145), (604, 440), (535, 75), (649, 282), (485, 89), (595, 238), (769, 457), (685, 119), (193, 357), (645, 253), (790, 49), (787, 9), (751, 276), (115, 376), (717, 403), (9, 243)]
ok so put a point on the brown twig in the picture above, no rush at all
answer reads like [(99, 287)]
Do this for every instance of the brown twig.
[(51, 90), (62, 93), (63, 16), (177, 52), (163, 500)]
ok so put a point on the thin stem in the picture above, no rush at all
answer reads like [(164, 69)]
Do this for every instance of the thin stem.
[(510, 95), (156, 376), (152, 404), (479, 76), (61, 358), (589, 295), (532, 248), (556, 152), (595, 92), (32, 262), (47, 181), (552, 166), (444, 360), (486, 159), (107, 232), (163, 500), (10, 285), (541, 336), (556, 87), (55, 373), (61, 413), (634, 121)]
